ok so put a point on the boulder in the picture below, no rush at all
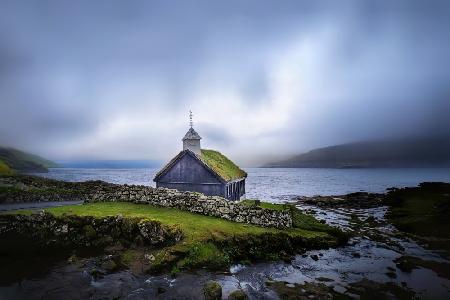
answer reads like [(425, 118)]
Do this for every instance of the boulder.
[(212, 290), (238, 295)]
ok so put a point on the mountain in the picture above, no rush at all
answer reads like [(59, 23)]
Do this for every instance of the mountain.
[(406, 152), (110, 164), (15, 160)]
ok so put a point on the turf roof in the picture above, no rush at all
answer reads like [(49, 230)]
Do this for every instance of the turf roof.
[(214, 160), (220, 164)]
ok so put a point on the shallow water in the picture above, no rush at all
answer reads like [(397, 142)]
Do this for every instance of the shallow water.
[(280, 184)]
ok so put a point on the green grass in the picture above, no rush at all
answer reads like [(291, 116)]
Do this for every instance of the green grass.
[(195, 227), (267, 205), (221, 165), (204, 254), (5, 169)]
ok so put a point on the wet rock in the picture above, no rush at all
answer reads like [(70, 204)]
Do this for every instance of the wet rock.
[(368, 289), (356, 254), (409, 263), (109, 266), (314, 257), (238, 295), (96, 273), (391, 274), (303, 291), (358, 200), (324, 279), (72, 259), (212, 290), (149, 257), (161, 290)]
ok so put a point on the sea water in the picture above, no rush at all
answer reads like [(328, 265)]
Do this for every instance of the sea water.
[(280, 184)]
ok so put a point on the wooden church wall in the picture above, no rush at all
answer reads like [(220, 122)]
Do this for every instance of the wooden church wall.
[(189, 175)]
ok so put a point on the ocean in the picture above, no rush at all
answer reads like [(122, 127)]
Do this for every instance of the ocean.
[(279, 184)]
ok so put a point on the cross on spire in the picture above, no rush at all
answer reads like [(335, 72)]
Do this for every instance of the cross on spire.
[(191, 123)]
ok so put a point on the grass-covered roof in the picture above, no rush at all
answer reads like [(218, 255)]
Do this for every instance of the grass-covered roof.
[(220, 164), (216, 161)]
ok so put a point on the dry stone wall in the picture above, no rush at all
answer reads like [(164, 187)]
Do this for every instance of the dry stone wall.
[(46, 230), (196, 203)]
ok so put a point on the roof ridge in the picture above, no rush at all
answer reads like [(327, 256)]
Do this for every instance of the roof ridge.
[(217, 163)]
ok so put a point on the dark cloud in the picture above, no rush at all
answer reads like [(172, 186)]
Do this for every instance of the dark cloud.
[(111, 77)]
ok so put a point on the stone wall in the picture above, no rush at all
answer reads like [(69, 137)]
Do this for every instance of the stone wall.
[(194, 202), (46, 230), (31, 189)]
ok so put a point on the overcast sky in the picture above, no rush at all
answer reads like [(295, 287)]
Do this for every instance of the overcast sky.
[(116, 79)]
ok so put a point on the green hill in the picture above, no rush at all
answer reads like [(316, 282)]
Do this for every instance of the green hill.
[(407, 152), (15, 160), (5, 169)]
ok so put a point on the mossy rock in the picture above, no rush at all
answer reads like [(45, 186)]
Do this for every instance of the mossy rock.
[(212, 290), (238, 295), (89, 231), (205, 255)]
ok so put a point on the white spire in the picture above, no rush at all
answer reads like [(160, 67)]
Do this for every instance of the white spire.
[(191, 140)]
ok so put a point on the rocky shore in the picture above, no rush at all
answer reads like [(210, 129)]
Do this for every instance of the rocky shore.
[(358, 200)]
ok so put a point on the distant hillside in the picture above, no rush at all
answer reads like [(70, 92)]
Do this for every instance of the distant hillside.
[(413, 152), (110, 164), (15, 160)]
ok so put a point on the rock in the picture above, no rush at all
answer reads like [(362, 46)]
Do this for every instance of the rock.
[(96, 273), (238, 295), (324, 279), (161, 290), (149, 257), (73, 258), (356, 254), (314, 257), (391, 274), (89, 231), (212, 290), (109, 266)]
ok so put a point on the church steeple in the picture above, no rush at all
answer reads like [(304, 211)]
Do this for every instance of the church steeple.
[(191, 140)]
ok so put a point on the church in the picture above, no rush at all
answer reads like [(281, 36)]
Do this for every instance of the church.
[(202, 170)]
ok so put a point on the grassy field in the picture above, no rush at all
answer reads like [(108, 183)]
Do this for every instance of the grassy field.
[(209, 242), (268, 205), (196, 227)]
